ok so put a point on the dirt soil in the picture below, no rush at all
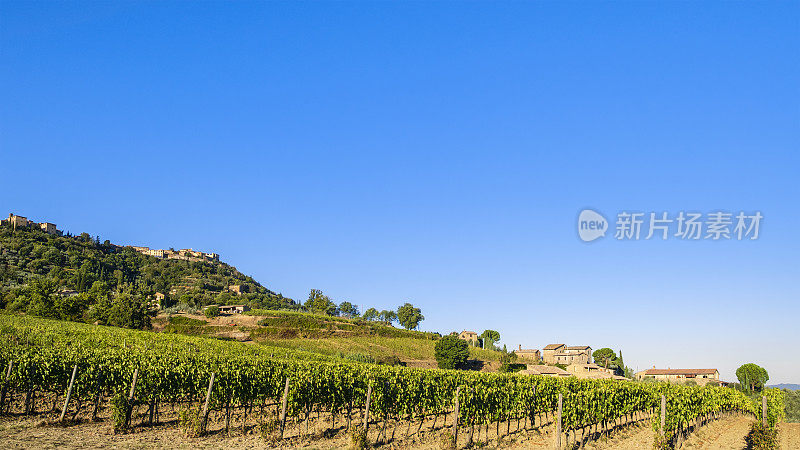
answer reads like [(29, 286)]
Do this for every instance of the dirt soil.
[(726, 433), (635, 437), (19, 433), (25, 433), (789, 435), (722, 434)]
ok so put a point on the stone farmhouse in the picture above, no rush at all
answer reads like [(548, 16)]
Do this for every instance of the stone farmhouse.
[(531, 354), (469, 336), (233, 309), (700, 376), (563, 354), (23, 222)]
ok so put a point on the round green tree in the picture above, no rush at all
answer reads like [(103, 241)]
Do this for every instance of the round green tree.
[(604, 357), (451, 352), (409, 316), (752, 376)]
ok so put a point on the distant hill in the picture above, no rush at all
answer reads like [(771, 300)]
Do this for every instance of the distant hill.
[(790, 386), (79, 278)]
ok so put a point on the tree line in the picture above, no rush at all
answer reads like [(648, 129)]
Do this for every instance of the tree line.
[(407, 315)]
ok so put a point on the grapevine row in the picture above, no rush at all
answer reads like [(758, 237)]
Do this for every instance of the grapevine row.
[(175, 369)]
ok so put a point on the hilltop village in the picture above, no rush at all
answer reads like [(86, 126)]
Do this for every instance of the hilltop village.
[(186, 254)]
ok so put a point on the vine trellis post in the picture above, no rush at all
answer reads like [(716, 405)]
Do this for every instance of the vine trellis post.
[(455, 418), (204, 419), (366, 409), (69, 393), (283, 405), (558, 421)]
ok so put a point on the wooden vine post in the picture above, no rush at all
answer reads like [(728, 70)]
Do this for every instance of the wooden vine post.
[(366, 410), (284, 402), (129, 408), (29, 405), (663, 413), (558, 420), (455, 418), (204, 420), (764, 410), (6, 381), (69, 393)]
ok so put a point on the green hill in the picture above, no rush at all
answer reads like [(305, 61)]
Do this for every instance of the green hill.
[(42, 273), (80, 279)]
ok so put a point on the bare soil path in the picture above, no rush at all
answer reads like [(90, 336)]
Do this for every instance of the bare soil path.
[(721, 434), (635, 437)]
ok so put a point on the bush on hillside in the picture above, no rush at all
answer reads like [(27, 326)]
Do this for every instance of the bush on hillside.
[(212, 311), (451, 352)]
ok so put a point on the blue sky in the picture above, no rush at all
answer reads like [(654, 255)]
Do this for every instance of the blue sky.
[(433, 152)]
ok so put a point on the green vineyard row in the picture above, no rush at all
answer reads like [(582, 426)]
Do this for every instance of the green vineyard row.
[(173, 368)]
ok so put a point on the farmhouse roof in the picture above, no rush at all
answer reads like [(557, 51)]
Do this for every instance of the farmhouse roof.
[(553, 346), (578, 347)]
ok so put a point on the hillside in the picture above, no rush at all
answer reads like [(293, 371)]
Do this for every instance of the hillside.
[(41, 274), (336, 337), (80, 279)]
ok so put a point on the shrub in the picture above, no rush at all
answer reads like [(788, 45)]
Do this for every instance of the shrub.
[(762, 437), (358, 439), (212, 311), (446, 440), (511, 367), (268, 430), (189, 420), (389, 360), (451, 352), (120, 408)]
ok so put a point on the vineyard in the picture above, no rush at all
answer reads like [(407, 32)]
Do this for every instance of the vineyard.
[(137, 372)]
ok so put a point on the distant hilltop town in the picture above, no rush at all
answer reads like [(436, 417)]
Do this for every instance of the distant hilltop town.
[(186, 254), (23, 222)]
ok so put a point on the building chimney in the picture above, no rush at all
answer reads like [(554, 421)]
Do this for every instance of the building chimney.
[(520, 346)]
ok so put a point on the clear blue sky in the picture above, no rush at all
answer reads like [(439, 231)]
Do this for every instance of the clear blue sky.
[(433, 152)]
